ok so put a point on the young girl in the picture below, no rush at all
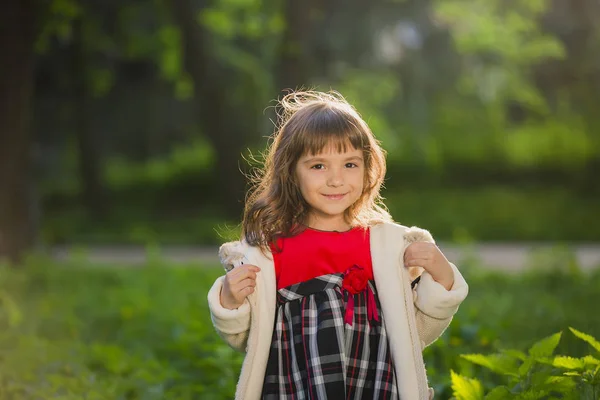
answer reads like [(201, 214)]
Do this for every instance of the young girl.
[(328, 297)]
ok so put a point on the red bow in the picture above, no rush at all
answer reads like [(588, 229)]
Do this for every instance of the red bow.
[(355, 281)]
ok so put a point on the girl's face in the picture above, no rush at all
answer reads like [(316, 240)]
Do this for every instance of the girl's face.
[(330, 182)]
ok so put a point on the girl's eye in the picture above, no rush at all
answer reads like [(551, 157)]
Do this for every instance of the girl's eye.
[(351, 165), (317, 166)]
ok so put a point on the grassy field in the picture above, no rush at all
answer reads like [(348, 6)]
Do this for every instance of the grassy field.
[(77, 331)]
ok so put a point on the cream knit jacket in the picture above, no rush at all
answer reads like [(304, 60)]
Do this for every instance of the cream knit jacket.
[(413, 318)]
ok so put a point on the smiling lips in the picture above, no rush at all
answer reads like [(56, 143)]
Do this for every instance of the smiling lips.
[(335, 196)]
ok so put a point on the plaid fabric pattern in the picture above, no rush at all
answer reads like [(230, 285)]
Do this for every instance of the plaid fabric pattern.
[(314, 355)]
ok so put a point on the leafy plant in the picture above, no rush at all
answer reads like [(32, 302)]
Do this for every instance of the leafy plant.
[(537, 374), (73, 330)]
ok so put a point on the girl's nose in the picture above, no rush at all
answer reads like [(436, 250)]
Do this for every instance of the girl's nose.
[(335, 179)]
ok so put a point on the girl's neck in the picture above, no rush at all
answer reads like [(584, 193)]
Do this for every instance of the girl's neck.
[(325, 225), (329, 230)]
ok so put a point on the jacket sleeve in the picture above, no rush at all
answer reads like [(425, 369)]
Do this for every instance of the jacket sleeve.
[(232, 325), (435, 306)]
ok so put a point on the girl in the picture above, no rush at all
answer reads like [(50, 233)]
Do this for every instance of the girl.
[(327, 296)]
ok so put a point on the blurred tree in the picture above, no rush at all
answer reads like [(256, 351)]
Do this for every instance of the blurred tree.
[(228, 52), (461, 92), (500, 42), (17, 37), (576, 78), (93, 193), (74, 30), (295, 53), (224, 132)]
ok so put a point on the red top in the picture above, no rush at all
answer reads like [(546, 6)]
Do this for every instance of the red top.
[(314, 253)]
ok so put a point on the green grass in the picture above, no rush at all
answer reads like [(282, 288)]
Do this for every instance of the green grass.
[(111, 333), (75, 331)]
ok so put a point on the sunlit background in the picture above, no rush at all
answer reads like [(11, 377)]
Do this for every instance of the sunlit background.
[(126, 126)]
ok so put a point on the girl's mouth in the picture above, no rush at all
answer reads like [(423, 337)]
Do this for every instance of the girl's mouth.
[(335, 196)]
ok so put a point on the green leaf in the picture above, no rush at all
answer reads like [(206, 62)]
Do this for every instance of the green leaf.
[(561, 384), (596, 373), (499, 393), (465, 388), (546, 346), (515, 354), (568, 362), (526, 366), (590, 360), (587, 338), (532, 394), (499, 363)]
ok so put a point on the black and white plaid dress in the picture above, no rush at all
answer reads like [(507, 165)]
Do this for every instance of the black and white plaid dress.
[(329, 344)]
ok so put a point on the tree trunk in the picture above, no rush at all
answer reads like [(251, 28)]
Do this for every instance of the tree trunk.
[(17, 33), (92, 192), (294, 61), (222, 126)]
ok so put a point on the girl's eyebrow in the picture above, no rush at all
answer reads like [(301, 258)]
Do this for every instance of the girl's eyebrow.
[(320, 159), (312, 160), (354, 158)]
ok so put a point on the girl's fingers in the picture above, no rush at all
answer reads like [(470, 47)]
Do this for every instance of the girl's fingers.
[(417, 262), (250, 267), (243, 268), (240, 273), (243, 276), (240, 282), (242, 293), (418, 256), (413, 260), (418, 246), (246, 283)]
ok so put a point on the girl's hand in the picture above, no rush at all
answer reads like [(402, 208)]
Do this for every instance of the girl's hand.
[(430, 257), (237, 285)]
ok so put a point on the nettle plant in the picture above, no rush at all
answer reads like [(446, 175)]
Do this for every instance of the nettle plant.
[(537, 374)]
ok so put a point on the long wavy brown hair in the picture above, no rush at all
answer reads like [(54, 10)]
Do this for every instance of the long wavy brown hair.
[(309, 122)]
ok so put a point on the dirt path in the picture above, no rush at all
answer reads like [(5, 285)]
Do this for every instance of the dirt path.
[(504, 256)]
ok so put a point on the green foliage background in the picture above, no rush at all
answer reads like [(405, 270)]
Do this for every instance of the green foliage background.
[(487, 108), (76, 330)]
